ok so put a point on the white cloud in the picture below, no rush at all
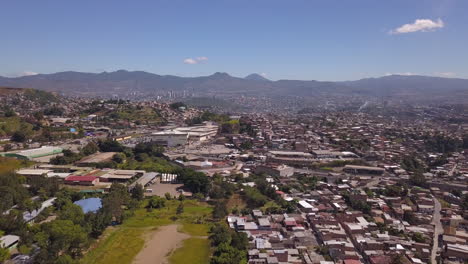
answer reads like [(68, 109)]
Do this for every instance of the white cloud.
[(28, 73), (423, 25), (195, 60), (264, 74), (445, 74), (190, 61), (400, 73), (21, 74)]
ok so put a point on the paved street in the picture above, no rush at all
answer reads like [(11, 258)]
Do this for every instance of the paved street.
[(437, 230)]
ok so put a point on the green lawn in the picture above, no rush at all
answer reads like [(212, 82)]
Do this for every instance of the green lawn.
[(122, 243), (120, 246), (194, 251), (195, 229)]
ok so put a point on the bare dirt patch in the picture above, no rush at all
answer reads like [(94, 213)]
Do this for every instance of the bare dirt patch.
[(160, 244)]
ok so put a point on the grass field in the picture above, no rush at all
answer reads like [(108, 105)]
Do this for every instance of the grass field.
[(194, 251), (122, 243)]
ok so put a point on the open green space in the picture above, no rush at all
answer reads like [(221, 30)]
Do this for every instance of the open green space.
[(122, 243), (196, 250)]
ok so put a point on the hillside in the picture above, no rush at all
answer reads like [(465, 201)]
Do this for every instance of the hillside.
[(142, 84)]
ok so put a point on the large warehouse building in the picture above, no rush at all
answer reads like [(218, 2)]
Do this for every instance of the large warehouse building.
[(30, 154)]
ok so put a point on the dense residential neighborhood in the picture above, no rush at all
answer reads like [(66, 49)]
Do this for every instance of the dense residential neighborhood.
[(330, 187)]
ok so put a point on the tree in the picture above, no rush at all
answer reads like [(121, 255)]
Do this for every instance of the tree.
[(4, 254), (418, 179), (110, 145), (464, 204), (38, 115), (113, 203), (90, 148), (177, 105), (180, 208), (397, 259), (220, 210), (227, 254), (196, 182), (72, 212), (19, 136), (118, 158), (181, 197), (98, 222), (61, 236), (418, 237), (220, 233), (156, 202), (8, 112), (409, 217), (168, 196), (137, 192)]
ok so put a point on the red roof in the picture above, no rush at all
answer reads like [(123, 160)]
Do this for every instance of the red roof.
[(352, 261), (81, 178)]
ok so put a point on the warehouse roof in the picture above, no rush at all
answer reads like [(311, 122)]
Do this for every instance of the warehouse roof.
[(86, 178)]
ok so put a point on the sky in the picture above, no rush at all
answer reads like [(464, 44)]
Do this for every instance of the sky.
[(281, 39)]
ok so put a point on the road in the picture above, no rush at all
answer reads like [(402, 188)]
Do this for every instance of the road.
[(437, 229), (452, 171)]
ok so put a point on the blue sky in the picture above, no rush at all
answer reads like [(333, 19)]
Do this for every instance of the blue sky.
[(284, 39)]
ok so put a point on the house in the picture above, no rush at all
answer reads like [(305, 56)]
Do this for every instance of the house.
[(9, 241), (275, 170)]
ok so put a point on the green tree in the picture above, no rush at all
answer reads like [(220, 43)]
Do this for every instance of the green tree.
[(110, 145), (138, 192), (90, 148), (4, 254), (180, 208), (19, 136), (220, 210), (118, 158), (464, 204), (418, 179), (61, 236), (156, 202), (72, 212)]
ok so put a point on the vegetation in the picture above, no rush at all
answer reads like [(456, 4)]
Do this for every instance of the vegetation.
[(121, 243), (230, 246), (197, 250)]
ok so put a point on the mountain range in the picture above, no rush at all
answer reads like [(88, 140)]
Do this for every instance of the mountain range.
[(124, 82)]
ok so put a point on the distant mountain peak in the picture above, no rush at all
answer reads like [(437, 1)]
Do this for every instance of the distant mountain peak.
[(220, 75), (255, 77)]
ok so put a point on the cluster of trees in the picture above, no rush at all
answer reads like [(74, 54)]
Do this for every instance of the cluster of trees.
[(396, 190), (12, 191), (263, 193), (357, 204), (61, 240), (443, 144), (110, 145), (196, 182), (464, 204), (177, 105), (411, 163), (53, 111), (230, 246), (418, 179), (230, 127), (64, 239)]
